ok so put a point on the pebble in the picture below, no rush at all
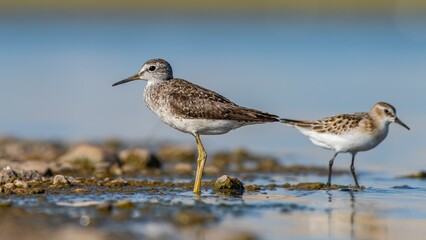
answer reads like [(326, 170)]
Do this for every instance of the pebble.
[(9, 185), (60, 180), (7, 175), (20, 184), (118, 182), (227, 183)]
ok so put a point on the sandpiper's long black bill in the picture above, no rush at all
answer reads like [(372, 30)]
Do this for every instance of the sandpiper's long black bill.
[(129, 79), (401, 123)]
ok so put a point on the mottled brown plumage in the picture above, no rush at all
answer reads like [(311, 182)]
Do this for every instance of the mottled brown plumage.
[(338, 124), (190, 101)]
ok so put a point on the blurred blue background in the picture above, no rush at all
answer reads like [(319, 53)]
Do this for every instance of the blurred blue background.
[(300, 60)]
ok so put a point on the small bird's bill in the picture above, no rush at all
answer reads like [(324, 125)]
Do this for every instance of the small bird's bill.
[(401, 123), (129, 79)]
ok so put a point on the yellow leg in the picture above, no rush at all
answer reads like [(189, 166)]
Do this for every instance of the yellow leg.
[(201, 160)]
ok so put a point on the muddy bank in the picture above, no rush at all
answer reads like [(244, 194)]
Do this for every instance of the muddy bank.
[(30, 182), (115, 158), (46, 167)]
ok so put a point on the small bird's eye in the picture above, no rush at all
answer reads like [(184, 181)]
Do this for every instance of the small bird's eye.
[(152, 68), (386, 111)]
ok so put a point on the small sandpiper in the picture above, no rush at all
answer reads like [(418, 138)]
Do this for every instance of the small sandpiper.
[(349, 133), (192, 109)]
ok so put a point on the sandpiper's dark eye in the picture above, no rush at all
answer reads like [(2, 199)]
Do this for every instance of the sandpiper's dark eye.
[(386, 111), (152, 68)]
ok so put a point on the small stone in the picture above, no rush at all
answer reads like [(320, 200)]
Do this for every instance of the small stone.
[(228, 184), (60, 180), (20, 184), (34, 183), (9, 186), (252, 188), (119, 182), (7, 175), (72, 180), (28, 175)]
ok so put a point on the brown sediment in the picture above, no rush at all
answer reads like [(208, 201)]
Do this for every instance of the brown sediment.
[(252, 187), (102, 168), (124, 204), (191, 217), (103, 160), (67, 184), (418, 175)]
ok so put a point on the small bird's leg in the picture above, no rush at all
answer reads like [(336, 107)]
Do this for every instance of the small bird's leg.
[(330, 167), (353, 170), (201, 160)]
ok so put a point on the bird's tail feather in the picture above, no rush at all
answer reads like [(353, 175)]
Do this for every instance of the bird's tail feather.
[(298, 123)]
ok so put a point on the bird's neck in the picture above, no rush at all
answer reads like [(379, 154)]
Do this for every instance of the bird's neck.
[(154, 81), (379, 121)]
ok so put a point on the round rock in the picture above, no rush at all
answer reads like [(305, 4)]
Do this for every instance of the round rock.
[(228, 184)]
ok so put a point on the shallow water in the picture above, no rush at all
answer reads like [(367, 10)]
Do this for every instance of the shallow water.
[(380, 211)]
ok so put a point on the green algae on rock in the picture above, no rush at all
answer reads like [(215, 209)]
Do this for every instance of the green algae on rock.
[(60, 180), (252, 187), (309, 186)]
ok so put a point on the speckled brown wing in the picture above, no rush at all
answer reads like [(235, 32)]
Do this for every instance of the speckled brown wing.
[(338, 124), (188, 100)]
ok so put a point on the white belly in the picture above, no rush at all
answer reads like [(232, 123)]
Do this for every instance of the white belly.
[(350, 142), (201, 126)]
